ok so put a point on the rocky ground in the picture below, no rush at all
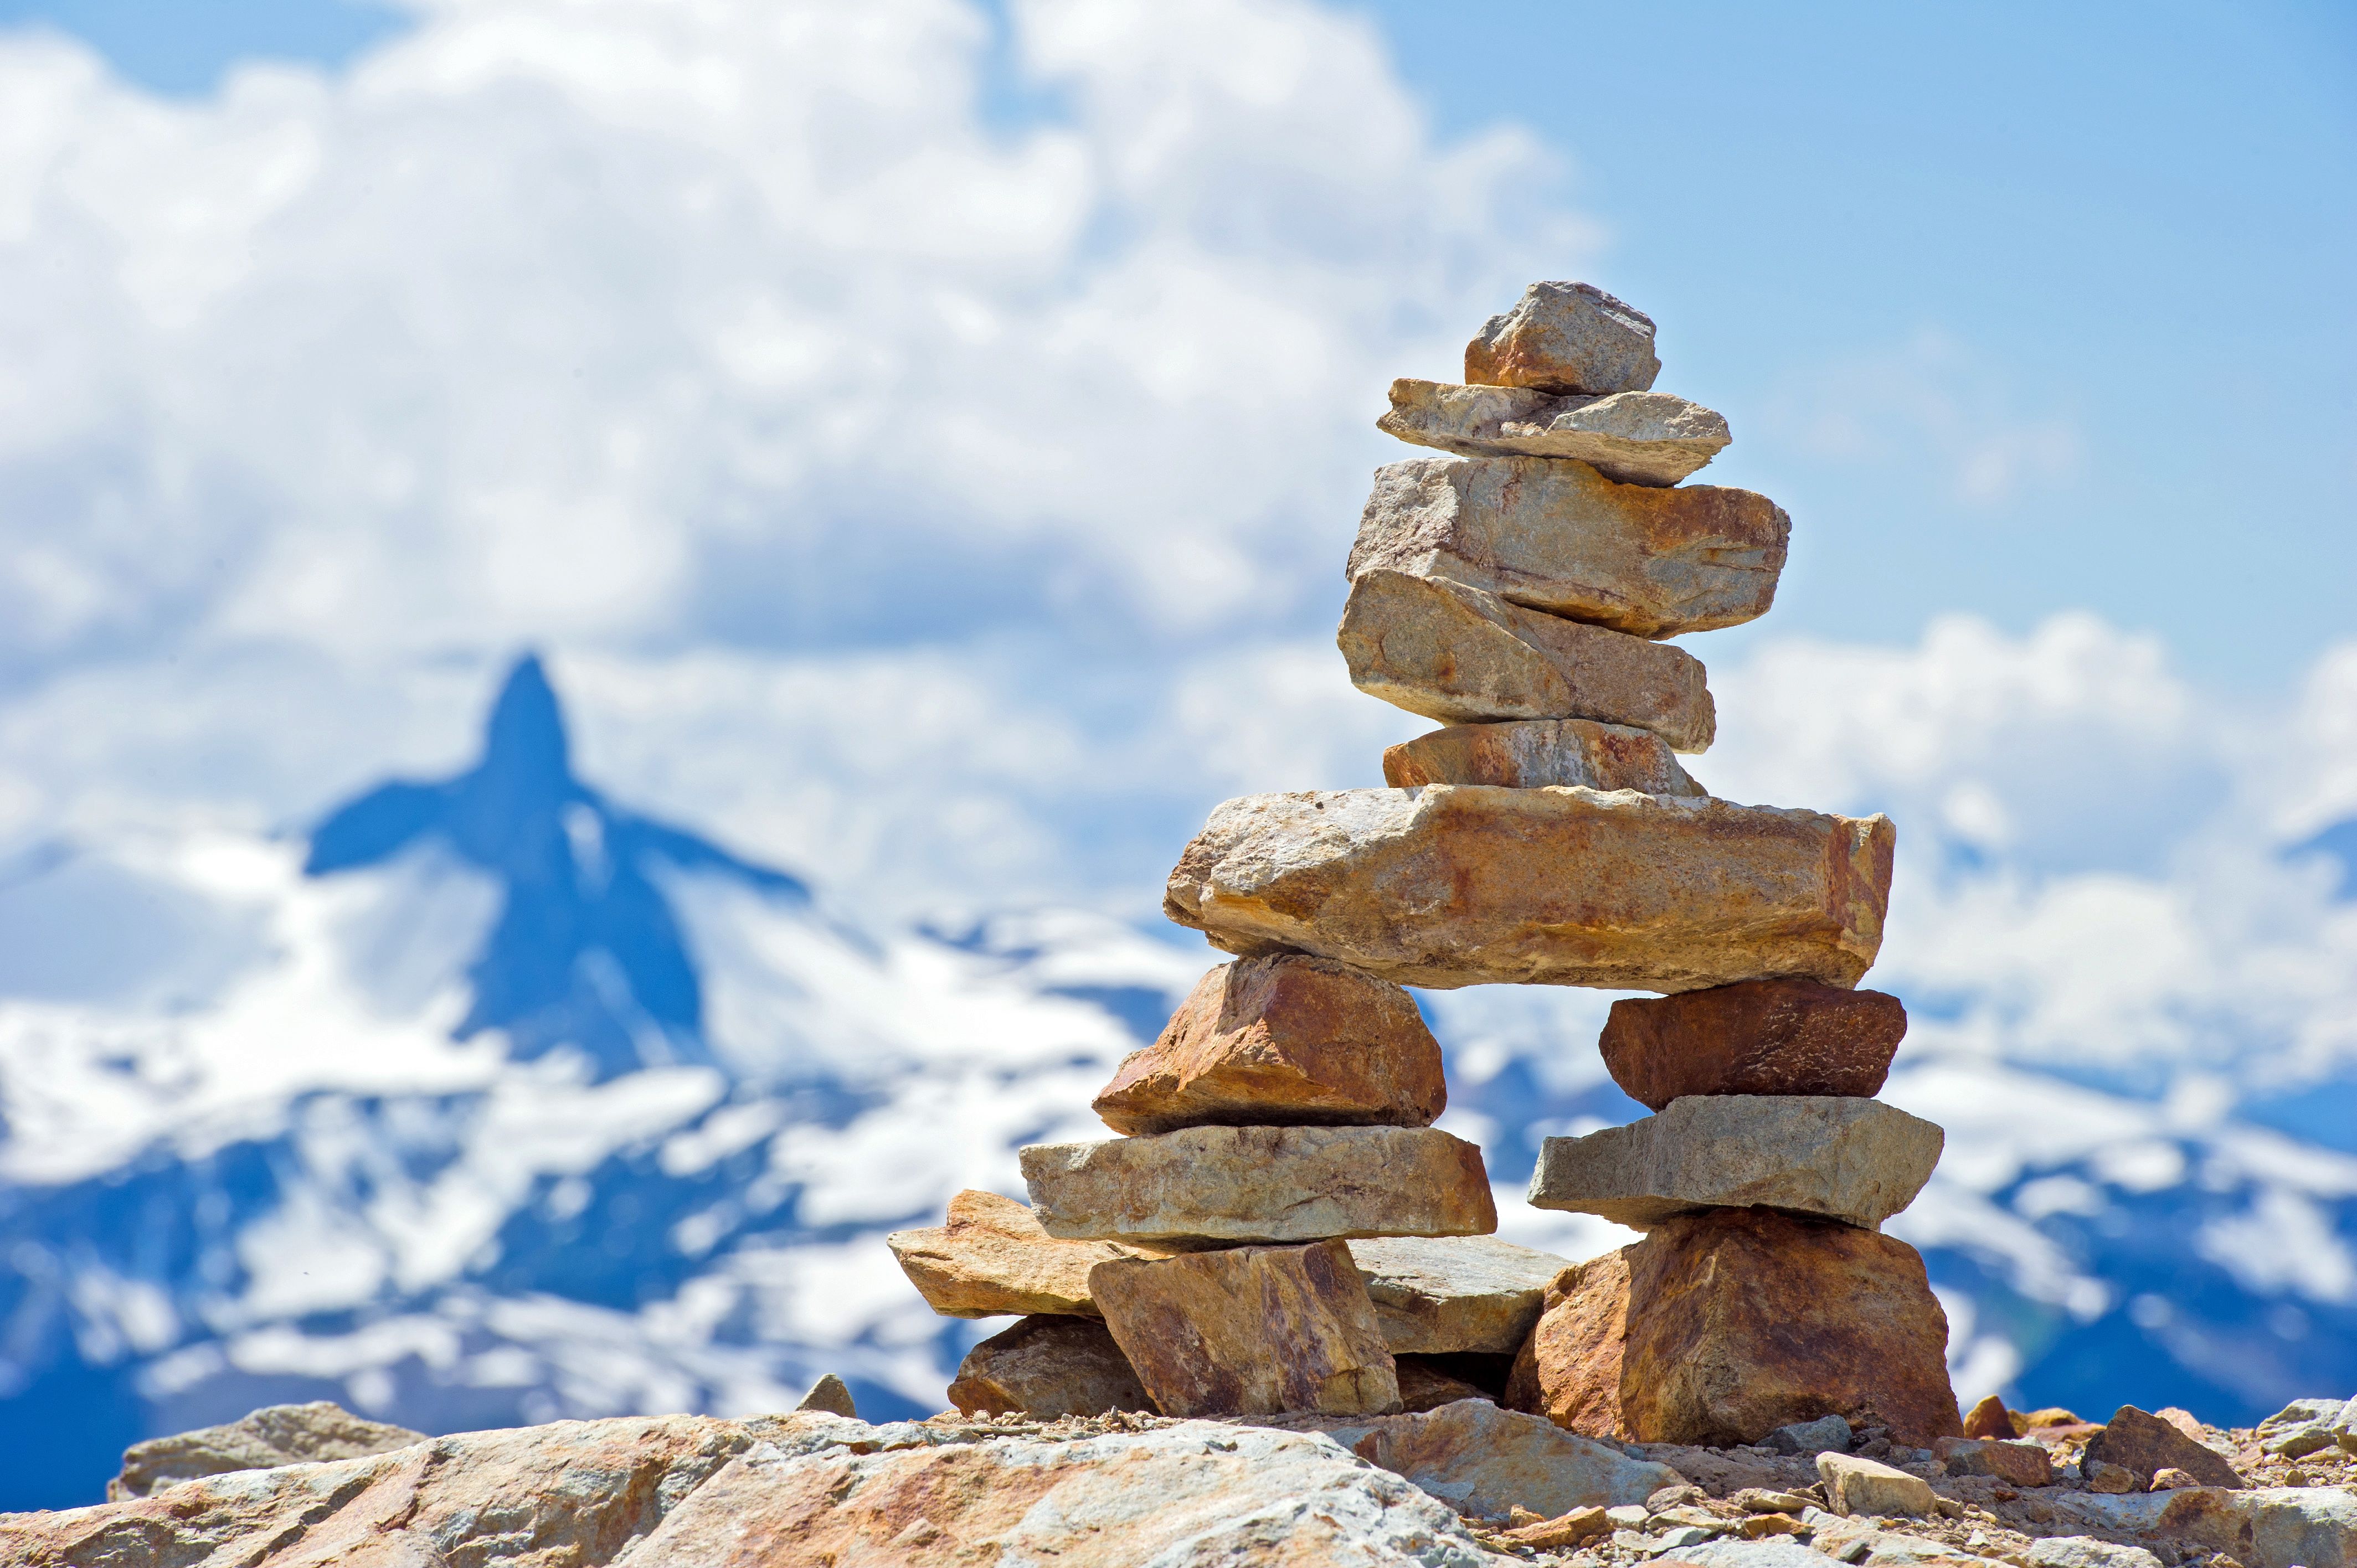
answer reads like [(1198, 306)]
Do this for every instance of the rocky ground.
[(1438, 1489)]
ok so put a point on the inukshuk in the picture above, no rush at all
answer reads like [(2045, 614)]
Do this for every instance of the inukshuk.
[(1520, 592)]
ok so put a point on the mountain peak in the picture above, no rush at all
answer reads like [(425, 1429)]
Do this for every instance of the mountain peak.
[(588, 951)]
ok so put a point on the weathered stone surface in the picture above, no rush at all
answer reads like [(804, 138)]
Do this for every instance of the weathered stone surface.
[(1536, 754), (1486, 1462), (1250, 1331), (1855, 1485), (2343, 1426), (277, 1434), (1461, 886), (830, 1394), (1438, 1295), (1858, 1160), (1761, 1036), (2087, 1552), (1723, 1326), (2019, 1463), (1562, 537), (1285, 1040), (1561, 1533), (1463, 655), (1046, 1367), (2304, 1426), (2142, 1444), (1631, 437), (695, 1492), (1262, 1184), (2274, 1527), (1565, 336), (992, 1260)]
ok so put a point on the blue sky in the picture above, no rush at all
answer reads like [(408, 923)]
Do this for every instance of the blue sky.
[(2058, 295)]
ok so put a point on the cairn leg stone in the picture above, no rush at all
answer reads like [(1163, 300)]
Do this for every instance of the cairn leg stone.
[(1047, 1367), (1263, 1185), (1285, 1040), (1250, 1331), (1720, 1327), (1857, 1161), (1759, 1037), (1461, 886)]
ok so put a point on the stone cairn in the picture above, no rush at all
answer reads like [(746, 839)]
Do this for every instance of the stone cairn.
[(1280, 1227)]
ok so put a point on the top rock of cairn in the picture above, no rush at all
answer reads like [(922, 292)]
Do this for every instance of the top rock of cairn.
[(1565, 338), (1520, 591)]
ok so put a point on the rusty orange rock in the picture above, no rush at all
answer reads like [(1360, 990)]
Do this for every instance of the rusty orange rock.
[(1251, 1331), (1453, 886), (1759, 1037), (1720, 1327), (1283, 1041)]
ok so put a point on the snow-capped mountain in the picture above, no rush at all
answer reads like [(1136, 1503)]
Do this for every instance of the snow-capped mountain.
[(488, 1100)]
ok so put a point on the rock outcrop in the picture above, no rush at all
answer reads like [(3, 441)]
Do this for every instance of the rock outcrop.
[(274, 1435)]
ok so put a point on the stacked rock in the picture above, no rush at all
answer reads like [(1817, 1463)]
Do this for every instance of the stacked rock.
[(1522, 592), (1280, 1228)]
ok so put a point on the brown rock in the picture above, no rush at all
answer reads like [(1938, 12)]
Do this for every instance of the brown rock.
[(2143, 1444), (1285, 1040), (1761, 1036), (1262, 1185), (992, 1260), (832, 1395), (1461, 886), (274, 1435), (1631, 437), (2017, 1464), (1989, 1418), (1047, 1367), (1565, 336), (1463, 655), (1719, 1328), (1538, 753), (1250, 1331), (1560, 537)]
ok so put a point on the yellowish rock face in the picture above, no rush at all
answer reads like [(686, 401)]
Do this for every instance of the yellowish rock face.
[(992, 1259), (1262, 1185), (1540, 754), (1466, 885), (1555, 536), (1251, 1331), (1463, 655)]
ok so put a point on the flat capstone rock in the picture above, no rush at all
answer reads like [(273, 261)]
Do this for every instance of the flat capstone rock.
[(1453, 886), (1857, 1161), (1629, 437)]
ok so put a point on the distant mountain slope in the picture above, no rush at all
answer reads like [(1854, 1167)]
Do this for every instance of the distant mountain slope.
[(494, 1101)]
